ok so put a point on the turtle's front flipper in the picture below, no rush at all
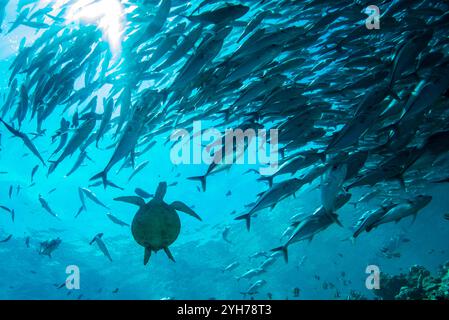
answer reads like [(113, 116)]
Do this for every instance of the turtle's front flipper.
[(169, 255), (161, 190), (180, 206), (138, 201), (147, 255)]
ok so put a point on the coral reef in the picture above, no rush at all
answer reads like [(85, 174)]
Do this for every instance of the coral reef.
[(417, 284)]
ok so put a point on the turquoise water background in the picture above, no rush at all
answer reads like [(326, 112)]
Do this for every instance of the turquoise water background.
[(201, 253)]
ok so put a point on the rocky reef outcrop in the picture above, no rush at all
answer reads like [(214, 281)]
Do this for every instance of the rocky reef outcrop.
[(417, 284)]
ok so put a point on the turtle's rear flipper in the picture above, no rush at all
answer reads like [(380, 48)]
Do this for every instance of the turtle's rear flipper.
[(147, 255), (169, 255), (180, 206)]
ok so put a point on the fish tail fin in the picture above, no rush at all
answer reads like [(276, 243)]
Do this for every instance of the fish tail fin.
[(284, 251), (247, 218), (53, 165), (267, 179), (334, 217), (202, 179), (103, 176)]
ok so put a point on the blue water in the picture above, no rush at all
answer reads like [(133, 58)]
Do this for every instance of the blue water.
[(201, 253)]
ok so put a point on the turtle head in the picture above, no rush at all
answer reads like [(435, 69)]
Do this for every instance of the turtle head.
[(160, 191)]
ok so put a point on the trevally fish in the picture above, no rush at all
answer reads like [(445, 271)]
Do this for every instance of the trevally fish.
[(411, 208), (116, 220), (98, 240)]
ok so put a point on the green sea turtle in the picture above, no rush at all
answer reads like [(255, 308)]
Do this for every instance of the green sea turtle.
[(156, 224)]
